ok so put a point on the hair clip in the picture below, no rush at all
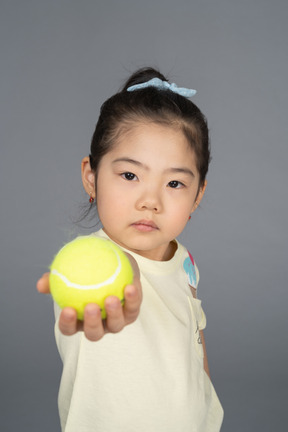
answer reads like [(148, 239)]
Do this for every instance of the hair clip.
[(164, 85)]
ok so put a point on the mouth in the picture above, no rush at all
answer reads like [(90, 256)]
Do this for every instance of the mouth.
[(145, 226)]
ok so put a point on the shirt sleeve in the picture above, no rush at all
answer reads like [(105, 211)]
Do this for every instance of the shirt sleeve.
[(202, 319), (201, 314)]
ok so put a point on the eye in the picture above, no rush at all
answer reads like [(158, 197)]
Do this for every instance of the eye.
[(174, 184), (129, 176)]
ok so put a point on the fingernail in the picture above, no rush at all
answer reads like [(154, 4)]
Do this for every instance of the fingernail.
[(112, 303), (130, 292), (69, 315), (91, 310)]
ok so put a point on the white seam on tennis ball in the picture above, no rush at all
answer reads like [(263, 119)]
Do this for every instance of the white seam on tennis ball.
[(110, 280)]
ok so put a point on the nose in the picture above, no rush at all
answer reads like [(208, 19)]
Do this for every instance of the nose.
[(150, 200)]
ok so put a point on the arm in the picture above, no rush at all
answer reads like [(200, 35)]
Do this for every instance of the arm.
[(93, 325)]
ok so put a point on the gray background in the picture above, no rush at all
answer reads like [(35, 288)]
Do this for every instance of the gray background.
[(59, 61)]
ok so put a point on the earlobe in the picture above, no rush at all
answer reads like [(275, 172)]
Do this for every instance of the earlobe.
[(199, 196), (88, 177)]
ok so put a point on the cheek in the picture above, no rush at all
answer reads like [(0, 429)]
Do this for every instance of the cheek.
[(182, 207), (179, 215), (111, 207)]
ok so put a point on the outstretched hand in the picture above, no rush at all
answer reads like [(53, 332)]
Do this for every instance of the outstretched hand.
[(94, 327)]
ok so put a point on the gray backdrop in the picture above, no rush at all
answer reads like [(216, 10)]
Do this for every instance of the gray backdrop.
[(59, 61)]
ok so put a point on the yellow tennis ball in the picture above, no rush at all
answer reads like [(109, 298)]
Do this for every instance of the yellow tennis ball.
[(87, 270)]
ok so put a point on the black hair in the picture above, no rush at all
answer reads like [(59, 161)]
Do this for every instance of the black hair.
[(126, 108)]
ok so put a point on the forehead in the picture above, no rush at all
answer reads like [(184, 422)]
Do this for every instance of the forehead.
[(153, 139)]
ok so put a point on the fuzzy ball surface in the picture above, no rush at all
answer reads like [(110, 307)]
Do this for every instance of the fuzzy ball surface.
[(87, 270)]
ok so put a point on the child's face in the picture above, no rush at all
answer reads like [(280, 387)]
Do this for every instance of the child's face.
[(146, 189)]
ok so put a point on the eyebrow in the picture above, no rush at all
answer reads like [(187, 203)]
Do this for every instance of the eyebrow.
[(183, 170), (132, 161)]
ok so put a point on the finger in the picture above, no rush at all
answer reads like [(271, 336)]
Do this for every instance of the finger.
[(43, 284), (93, 325), (115, 318), (134, 265), (68, 323), (133, 298)]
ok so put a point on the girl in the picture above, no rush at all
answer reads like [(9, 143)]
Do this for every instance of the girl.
[(147, 175)]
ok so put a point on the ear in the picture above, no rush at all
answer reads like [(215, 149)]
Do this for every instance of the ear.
[(199, 196), (88, 177)]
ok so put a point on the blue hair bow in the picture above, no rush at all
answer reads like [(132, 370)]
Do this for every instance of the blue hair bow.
[(164, 85)]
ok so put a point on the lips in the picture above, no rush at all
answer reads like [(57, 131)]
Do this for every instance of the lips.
[(145, 226)]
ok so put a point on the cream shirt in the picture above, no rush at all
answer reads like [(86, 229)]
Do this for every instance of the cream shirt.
[(150, 376)]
